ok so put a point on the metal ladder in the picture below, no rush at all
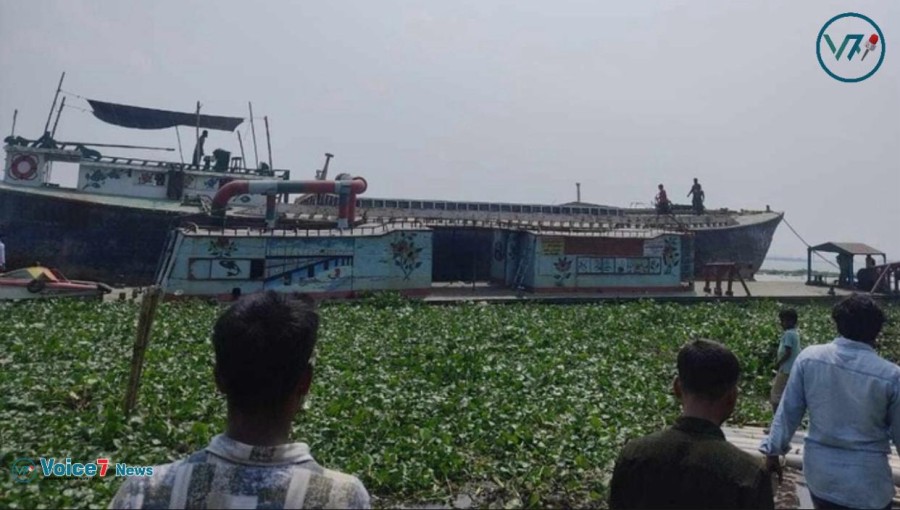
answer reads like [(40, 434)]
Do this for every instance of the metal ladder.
[(522, 269)]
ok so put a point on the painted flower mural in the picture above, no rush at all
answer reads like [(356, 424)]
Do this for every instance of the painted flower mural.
[(671, 255), (406, 254), (97, 178), (221, 247), (563, 268)]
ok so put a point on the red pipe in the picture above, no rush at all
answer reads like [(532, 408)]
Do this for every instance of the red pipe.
[(350, 187)]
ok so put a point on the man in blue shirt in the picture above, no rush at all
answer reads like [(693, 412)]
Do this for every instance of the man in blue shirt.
[(788, 349), (853, 398)]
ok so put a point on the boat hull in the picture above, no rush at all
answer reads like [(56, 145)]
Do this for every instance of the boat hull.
[(88, 241), (120, 244)]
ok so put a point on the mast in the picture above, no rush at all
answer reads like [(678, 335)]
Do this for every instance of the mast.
[(58, 115), (269, 142), (253, 130), (53, 106), (243, 157), (15, 115), (180, 152)]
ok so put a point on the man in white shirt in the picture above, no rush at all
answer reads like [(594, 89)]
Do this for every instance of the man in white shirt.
[(264, 351), (853, 398)]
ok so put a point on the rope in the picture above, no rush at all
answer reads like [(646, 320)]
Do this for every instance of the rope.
[(807, 244)]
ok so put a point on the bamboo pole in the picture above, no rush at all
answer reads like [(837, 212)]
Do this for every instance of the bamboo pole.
[(53, 106), (243, 157), (269, 142), (253, 131), (180, 151), (62, 104), (141, 341)]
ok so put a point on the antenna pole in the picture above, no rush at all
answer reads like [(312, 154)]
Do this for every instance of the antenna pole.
[(269, 142), (58, 115), (243, 157), (253, 130), (53, 106), (15, 115)]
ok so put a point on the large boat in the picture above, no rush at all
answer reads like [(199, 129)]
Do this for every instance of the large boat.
[(113, 224)]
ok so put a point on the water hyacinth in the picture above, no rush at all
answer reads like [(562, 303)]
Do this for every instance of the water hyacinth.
[(514, 404)]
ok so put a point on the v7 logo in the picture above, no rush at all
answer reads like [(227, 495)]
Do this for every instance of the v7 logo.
[(857, 38)]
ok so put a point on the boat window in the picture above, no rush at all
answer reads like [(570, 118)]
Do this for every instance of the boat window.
[(505, 208), (416, 205), (257, 268), (428, 205), (440, 205), (484, 207), (451, 206), (404, 204), (555, 210)]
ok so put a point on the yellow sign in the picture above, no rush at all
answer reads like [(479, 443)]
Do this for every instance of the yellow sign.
[(553, 245)]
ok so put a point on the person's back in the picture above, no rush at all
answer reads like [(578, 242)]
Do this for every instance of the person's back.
[(264, 362), (853, 399), (691, 465), (229, 474)]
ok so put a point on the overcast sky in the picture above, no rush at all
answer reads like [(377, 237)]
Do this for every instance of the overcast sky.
[(506, 101)]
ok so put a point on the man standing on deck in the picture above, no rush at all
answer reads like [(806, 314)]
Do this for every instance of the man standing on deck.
[(853, 398), (662, 201), (198, 149), (691, 465), (698, 197)]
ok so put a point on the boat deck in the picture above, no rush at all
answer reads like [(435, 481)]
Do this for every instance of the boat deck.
[(781, 290), (748, 439)]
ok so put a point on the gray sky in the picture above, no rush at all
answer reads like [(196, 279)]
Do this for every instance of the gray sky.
[(508, 101)]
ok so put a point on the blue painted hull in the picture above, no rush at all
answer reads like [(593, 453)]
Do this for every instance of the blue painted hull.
[(119, 244)]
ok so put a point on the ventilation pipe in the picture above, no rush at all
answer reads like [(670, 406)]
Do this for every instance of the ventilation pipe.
[(346, 190)]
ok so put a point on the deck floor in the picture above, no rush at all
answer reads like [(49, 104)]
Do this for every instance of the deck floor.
[(786, 290), (748, 439)]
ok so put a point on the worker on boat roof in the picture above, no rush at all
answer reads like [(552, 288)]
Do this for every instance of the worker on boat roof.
[(662, 201), (198, 149), (698, 197)]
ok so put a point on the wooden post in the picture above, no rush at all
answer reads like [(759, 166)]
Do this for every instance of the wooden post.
[(243, 156), (180, 152), (141, 341), (269, 143), (62, 104), (53, 106), (253, 131)]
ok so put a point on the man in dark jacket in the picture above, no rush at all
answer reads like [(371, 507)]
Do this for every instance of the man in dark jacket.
[(691, 465)]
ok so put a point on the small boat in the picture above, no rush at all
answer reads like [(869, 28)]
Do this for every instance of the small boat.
[(38, 282)]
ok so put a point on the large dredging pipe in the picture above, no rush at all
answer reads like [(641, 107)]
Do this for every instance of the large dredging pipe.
[(346, 190)]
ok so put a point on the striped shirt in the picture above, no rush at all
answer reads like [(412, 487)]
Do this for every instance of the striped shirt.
[(229, 474)]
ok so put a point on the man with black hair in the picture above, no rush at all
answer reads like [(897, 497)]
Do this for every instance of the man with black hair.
[(788, 349), (264, 363), (853, 398), (691, 465)]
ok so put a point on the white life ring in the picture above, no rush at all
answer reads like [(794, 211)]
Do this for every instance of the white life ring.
[(24, 167)]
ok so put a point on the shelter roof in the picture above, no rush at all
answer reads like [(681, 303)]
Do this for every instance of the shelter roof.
[(847, 248)]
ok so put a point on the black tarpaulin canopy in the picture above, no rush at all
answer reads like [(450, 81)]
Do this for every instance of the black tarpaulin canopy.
[(149, 118)]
